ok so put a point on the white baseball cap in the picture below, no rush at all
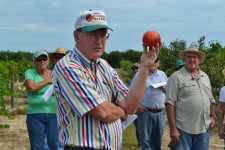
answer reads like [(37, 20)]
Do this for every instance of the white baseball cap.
[(91, 20), (40, 53)]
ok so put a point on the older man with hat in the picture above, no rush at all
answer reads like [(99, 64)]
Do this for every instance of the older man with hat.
[(57, 55), (90, 95), (190, 104)]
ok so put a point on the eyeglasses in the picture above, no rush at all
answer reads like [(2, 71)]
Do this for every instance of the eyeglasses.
[(41, 59), (101, 35)]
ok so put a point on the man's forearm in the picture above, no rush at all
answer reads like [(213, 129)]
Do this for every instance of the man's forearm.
[(32, 86), (171, 116), (136, 92), (115, 114), (212, 110), (108, 112)]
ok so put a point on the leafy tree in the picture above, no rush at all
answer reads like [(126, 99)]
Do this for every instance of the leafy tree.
[(177, 45), (125, 70), (201, 43), (22, 66), (15, 56), (168, 60), (213, 66), (105, 55), (4, 86), (10, 72), (131, 55), (215, 48), (114, 59)]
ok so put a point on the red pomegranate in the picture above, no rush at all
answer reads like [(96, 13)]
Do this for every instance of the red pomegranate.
[(151, 39)]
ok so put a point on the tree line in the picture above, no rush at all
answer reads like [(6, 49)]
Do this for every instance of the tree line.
[(15, 63)]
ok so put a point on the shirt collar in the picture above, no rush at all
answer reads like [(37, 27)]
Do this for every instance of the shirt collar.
[(84, 59), (200, 74), (154, 73)]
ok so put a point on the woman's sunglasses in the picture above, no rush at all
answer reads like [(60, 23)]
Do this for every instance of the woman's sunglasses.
[(41, 59)]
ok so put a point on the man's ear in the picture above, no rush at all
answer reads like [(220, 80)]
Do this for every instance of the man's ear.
[(75, 36)]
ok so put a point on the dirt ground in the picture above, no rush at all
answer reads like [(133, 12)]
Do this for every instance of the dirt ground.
[(215, 142), (15, 137)]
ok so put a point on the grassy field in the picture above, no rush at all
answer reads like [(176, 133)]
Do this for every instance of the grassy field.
[(129, 139), (130, 142)]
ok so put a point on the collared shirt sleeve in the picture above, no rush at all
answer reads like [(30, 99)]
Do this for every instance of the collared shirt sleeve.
[(120, 89), (222, 95), (78, 92), (172, 90)]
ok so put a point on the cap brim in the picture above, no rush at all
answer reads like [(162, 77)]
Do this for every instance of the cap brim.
[(41, 55), (95, 27)]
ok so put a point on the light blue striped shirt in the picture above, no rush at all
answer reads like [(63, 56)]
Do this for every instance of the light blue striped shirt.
[(154, 97)]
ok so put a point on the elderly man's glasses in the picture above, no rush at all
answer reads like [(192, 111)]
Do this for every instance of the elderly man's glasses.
[(101, 34)]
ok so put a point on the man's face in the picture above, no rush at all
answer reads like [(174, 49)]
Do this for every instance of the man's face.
[(57, 57), (92, 44), (154, 67), (191, 61)]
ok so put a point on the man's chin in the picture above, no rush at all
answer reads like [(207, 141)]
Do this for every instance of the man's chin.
[(98, 54), (96, 57)]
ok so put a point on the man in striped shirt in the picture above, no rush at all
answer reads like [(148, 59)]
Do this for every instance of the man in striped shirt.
[(91, 98)]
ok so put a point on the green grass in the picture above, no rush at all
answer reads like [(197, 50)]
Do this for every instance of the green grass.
[(4, 126), (129, 139)]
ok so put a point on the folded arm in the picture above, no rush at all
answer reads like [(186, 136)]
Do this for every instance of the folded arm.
[(107, 112), (32, 86)]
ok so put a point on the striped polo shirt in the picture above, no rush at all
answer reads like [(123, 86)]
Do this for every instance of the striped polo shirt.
[(81, 85)]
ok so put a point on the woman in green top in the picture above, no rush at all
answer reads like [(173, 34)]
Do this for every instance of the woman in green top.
[(41, 113)]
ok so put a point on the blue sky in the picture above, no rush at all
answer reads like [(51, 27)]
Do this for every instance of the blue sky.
[(31, 25)]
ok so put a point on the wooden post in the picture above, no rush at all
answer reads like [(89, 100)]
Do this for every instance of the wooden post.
[(13, 90)]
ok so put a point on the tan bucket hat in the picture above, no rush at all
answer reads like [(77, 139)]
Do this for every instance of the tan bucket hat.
[(60, 51), (201, 54)]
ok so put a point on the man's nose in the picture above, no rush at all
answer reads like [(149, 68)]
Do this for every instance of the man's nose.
[(98, 38)]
